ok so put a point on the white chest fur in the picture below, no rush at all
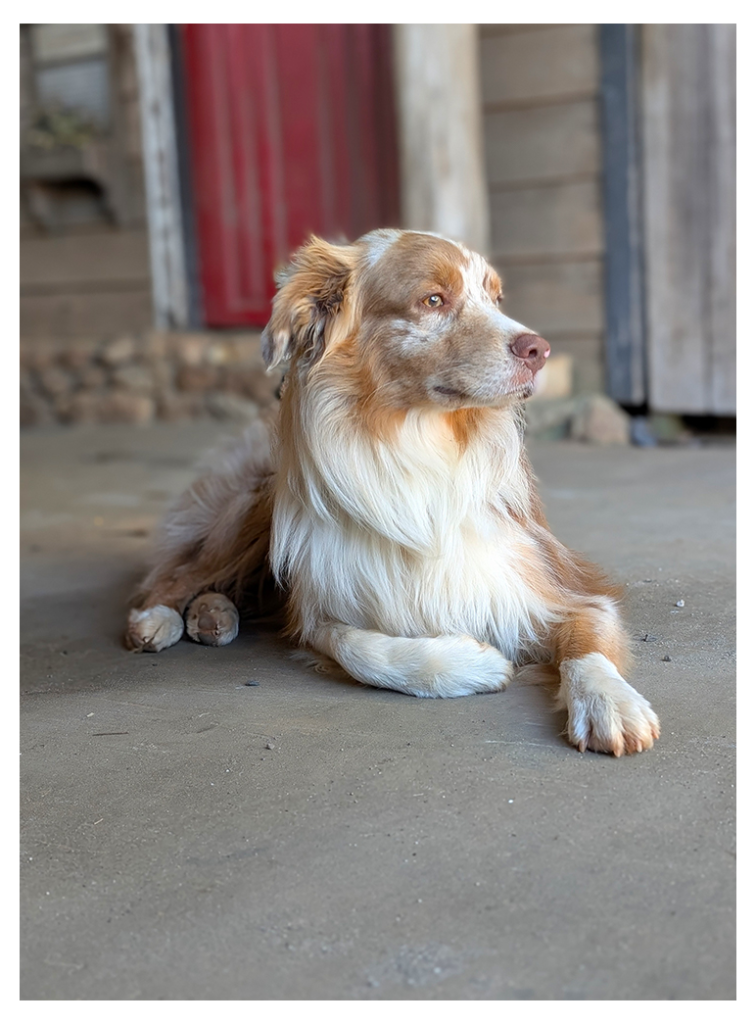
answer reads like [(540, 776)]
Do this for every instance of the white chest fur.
[(412, 538)]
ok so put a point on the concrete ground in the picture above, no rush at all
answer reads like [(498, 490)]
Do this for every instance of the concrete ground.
[(188, 836)]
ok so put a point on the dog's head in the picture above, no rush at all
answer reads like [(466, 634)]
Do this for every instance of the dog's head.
[(412, 318)]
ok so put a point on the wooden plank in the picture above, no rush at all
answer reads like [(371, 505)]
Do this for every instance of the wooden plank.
[(441, 131), (559, 140), (721, 39), (540, 65), (676, 235), (163, 190), (513, 28), (555, 297), (553, 220), (86, 316), (194, 312), (623, 215), (99, 256), (68, 42), (689, 217)]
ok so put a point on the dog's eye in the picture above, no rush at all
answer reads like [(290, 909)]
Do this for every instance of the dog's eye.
[(434, 301)]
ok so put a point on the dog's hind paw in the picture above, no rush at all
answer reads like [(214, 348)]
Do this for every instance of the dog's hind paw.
[(212, 619), (153, 629)]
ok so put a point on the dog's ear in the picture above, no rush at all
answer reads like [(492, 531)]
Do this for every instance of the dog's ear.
[(312, 293)]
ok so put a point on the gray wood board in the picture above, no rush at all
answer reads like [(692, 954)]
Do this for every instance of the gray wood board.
[(689, 179), (549, 220), (544, 65), (554, 141)]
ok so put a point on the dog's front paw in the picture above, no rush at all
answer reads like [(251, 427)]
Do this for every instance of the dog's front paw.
[(212, 619), (605, 713), (153, 629), (457, 666)]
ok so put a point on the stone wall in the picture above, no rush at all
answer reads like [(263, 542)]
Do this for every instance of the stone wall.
[(141, 378)]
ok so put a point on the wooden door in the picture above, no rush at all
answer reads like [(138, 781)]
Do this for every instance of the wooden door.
[(291, 131)]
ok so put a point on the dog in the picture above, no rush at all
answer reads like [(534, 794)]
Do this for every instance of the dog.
[(395, 509)]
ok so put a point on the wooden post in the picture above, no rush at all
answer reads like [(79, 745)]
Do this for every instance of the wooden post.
[(623, 217), (164, 216), (443, 183), (689, 191), (722, 43)]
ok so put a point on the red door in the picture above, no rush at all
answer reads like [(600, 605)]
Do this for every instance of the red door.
[(291, 132)]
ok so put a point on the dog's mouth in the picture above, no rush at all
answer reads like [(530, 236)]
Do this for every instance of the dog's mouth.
[(525, 390), (442, 389), (517, 389)]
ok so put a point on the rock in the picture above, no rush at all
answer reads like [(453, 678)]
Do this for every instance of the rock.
[(641, 433), (189, 349), (82, 407), (252, 382), (26, 354), (549, 419), (668, 427), (601, 421), (126, 407), (34, 411), (120, 350), (38, 355), (91, 377), (263, 389), (247, 348), (78, 354), (26, 382), (156, 345), (197, 378), (219, 352), (172, 406), (555, 379), (231, 407), (135, 377), (163, 373), (55, 381)]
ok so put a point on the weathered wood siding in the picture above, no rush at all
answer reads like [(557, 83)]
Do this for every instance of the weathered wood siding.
[(92, 284), (688, 75), (94, 280), (540, 90)]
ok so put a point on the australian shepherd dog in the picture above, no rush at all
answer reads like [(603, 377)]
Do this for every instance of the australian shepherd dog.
[(394, 506)]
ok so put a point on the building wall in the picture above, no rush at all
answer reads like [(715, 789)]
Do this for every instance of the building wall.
[(689, 129), (540, 91), (85, 269)]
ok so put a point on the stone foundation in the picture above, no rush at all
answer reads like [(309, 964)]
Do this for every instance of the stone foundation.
[(138, 379), (173, 375)]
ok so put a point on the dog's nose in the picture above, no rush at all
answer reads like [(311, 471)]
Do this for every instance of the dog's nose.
[(532, 349)]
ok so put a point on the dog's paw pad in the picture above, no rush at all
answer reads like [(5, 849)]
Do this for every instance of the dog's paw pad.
[(153, 629), (212, 619)]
